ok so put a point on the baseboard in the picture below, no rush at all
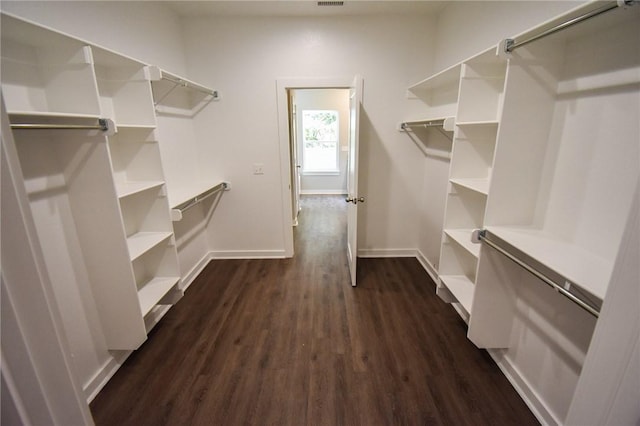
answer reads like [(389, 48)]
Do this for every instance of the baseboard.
[(104, 374), (248, 254), (428, 266), (196, 270), (386, 253), (323, 192), (524, 389)]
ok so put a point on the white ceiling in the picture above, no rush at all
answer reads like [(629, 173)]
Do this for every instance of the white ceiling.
[(189, 8)]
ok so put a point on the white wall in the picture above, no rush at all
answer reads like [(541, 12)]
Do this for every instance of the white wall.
[(329, 99), (147, 31), (465, 28), (243, 58)]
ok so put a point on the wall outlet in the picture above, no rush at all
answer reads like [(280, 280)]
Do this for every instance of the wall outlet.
[(258, 169)]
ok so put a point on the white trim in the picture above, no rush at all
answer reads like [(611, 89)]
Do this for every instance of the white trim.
[(282, 85), (310, 173), (323, 192), (248, 254), (428, 266), (524, 389), (104, 374), (196, 270), (387, 253)]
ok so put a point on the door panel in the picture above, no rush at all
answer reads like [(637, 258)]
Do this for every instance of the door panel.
[(353, 199)]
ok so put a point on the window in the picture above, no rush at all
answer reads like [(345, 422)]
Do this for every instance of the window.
[(320, 141)]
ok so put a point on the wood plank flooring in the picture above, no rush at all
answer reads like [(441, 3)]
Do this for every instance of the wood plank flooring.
[(290, 342)]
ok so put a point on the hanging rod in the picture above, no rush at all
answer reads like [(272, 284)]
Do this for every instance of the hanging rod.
[(514, 43), (103, 124), (183, 207), (480, 235), (435, 123), (443, 125), (185, 83)]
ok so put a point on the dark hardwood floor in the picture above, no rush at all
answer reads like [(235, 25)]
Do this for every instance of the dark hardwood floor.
[(290, 342)]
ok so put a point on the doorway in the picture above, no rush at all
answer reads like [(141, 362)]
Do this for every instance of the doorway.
[(319, 143), (355, 86)]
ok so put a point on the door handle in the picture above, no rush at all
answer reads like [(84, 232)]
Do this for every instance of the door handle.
[(354, 200)]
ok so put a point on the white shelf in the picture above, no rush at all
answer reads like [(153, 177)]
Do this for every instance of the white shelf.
[(153, 291), (461, 287), (463, 237), (125, 189), (488, 123), (49, 114), (136, 126), (179, 195), (478, 185), (445, 77), (142, 242), (580, 267)]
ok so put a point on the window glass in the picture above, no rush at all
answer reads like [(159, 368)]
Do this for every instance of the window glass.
[(320, 141)]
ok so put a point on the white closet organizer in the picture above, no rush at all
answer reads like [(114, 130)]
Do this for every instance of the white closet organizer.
[(472, 93), (567, 162), (98, 197), (545, 159), (177, 100)]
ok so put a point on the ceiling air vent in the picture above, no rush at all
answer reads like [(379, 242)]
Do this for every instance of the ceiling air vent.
[(330, 3)]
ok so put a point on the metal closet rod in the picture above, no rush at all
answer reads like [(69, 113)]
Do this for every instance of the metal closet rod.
[(511, 43), (201, 197), (185, 83), (560, 289), (438, 124), (434, 123), (103, 125)]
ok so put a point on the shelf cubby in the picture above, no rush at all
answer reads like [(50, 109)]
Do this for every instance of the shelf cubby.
[(458, 271), (473, 150), (146, 211), (135, 159), (481, 88), (39, 69), (124, 89), (465, 208), (157, 276), (463, 238)]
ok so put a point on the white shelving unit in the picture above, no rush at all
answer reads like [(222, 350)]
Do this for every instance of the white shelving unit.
[(480, 82), (125, 96), (98, 198), (566, 167), (562, 182), (545, 159)]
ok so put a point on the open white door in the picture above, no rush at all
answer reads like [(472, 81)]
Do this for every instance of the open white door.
[(295, 163), (353, 198)]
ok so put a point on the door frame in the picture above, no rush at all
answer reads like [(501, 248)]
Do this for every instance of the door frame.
[(282, 98)]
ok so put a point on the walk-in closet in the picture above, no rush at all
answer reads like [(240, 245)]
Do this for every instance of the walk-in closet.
[(490, 156)]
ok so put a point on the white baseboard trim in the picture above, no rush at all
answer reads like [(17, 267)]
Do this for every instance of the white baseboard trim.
[(387, 253), (323, 192), (195, 271), (524, 389), (428, 266), (248, 254), (104, 374)]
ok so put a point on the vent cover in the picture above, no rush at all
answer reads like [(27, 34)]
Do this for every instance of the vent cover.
[(330, 3)]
